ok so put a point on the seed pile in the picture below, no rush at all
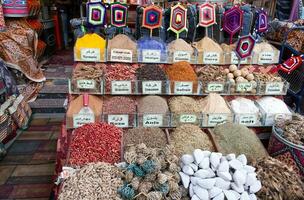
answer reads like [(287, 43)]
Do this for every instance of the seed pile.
[(152, 104), (98, 142), (210, 73), (119, 105), (151, 137), (238, 139), (267, 77), (122, 41), (186, 138), (150, 174), (279, 181), (293, 129), (210, 175), (151, 72), (180, 45), (91, 182), (295, 39), (87, 71), (184, 105)]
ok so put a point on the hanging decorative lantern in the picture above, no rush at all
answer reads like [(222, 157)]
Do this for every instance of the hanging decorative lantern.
[(119, 15), (232, 21), (206, 15), (261, 21), (152, 18), (245, 46), (178, 19), (96, 13)]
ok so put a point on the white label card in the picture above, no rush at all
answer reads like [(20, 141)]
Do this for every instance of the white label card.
[(248, 119), (120, 121), (86, 84), (244, 87), (273, 88), (181, 56), (183, 88), (211, 58), (215, 119), (82, 119), (266, 57), (188, 119), (235, 59), (151, 56), (152, 87), (121, 87), (90, 54), (215, 87), (152, 120), (121, 55)]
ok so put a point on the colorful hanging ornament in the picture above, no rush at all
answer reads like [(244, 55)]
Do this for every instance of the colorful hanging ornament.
[(152, 18), (290, 65), (206, 15), (178, 19), (119, 15), (232, 21), (96, 13), (261, 21), (15, 8), (245, 46)]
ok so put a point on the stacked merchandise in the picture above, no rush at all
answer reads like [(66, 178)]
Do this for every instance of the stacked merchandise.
[(166, 116)]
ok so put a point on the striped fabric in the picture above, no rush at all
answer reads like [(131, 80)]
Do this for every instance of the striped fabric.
[(283, 9)]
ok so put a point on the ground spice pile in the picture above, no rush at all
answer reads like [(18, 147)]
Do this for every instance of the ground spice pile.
[(88, 71), (91, 182), (152, 104), (238, 139), (279, 181), (184, 105), (151, 174), (98, 142), (151, 72), (214, 103), (119, 105), (151, 137), (180, 45), (208, 45), (122, 41), (186, 138)]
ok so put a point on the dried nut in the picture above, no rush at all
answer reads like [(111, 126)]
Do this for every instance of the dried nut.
[(230, 76), (250, 77), (245, 72), (226, 71), (232, 68), (240, 79), (237, 73)]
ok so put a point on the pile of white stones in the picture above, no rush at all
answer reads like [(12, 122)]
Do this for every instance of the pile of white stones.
[(214, 176)]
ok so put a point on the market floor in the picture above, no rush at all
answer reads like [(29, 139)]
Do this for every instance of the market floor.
[(27, 170)]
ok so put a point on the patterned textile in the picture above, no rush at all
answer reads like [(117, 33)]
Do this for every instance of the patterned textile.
[(2, 22), (9, 81), (5, 120), (18, 46), (21, 112)]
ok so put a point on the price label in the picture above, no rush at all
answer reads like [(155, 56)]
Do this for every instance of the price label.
[(82, 119), (235, 59), (248, 119), (244, 87), (181, 56), (121, 55), (273, 88), (152, 87), (216, 119), (67, 172), (189, 119), (266, 57), (183, 88), (121, 87), (215, 87), (153, 120), (151, 56), (120, 121), (86, 84), (90, 54), (211, 58)]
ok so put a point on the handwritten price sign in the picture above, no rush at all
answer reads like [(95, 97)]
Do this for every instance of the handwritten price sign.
[(152, 120), (244, 87), (189, 119), (215, 87), (120, 121), (90, 54)]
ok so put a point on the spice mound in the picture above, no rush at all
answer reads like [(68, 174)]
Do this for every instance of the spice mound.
[(184, 105), (186, 138), (119, 105), (210, 73), (279, 181), (214, 103), (238, 139), (242, 105), (152, 104), (91, 182), (122, 41), (180, 45), (150, 174), (98, 142), (151, 137), (208, 45), (87, 71)]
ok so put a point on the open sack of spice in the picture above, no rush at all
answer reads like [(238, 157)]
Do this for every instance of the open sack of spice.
[(210, 175)]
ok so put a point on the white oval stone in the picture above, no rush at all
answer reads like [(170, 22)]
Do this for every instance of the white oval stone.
[(193, 166), (252, 197), (222, 184), (223, 159), (211, 173), (251, 179), (198, 155), (242, 158), (239, 189), (215, 160), (201, 193), (236, 194), (223, 167), (236, 164), (194, 197), (187, 159), (230, 156), (249, 169), (219, 197), (225, 175), (245, 196), (185, 179), (206, 153), (239, 178), (202, 173), (207, 183), (194, 180), (214, 192), (191, 191), (230, 195), (188, 170), (205, 163), (255, 187)]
